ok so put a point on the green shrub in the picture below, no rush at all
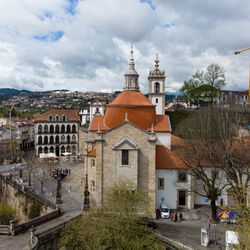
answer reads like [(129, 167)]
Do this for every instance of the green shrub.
[(7, 213)]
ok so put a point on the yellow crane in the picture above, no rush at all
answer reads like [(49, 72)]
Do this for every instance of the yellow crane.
[(237, 53)]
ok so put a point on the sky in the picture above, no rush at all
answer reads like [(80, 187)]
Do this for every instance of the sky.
[(84, 45)]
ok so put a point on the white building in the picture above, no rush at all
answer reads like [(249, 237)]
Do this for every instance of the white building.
[(57, 131)]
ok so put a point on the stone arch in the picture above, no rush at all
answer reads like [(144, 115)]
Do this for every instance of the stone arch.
[(40, 129), (62, 150), (51, 129), (68, 138), (63, 138), (46, 129), (46, 150), (157, 87), (73, 138), (46, 140), (51, 149), (74, 128), (40, 150), (51, 139), (68, 148), (57, 130), (57, 139), (63, 128), (68, 128), (40, 140)]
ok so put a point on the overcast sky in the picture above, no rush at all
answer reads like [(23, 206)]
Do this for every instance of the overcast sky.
[(84, 44)]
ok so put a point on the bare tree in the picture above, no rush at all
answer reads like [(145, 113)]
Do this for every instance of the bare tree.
[(213, 150), (201, 156)]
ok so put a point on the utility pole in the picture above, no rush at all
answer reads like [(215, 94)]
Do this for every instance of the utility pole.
[(10, 131)]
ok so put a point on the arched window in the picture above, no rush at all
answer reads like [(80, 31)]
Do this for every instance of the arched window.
[(46, 139), (64, 118), (40, 129), (68, 139), (74, 128), (51, 129), (68, 128), (50, 118), (51, 149), (46, 129), (40, 150), (62, 150), (40, 140), (68, 148), (62, 138), (57, 139), (62, 129), (73, 138), (157, 87), (51, 139), (57, 129), (156, 100), (57, 118), (46, 150)]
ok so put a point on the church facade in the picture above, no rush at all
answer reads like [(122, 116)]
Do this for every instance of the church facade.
[(132, 140)]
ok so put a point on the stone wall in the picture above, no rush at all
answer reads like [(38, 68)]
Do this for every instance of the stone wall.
[(106, 166), (25, 206)]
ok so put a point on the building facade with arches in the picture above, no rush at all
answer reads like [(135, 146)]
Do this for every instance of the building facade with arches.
[(57, 131)]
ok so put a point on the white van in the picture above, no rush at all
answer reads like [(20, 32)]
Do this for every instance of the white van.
[(165, 214)]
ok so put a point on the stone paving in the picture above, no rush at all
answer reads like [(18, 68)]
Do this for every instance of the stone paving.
[(72, 196), (189, 232)]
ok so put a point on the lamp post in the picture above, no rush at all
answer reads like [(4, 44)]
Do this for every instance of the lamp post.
[(10, 131), (237, 52)]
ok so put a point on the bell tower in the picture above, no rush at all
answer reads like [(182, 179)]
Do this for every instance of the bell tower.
[(156, 83), (131, 76)]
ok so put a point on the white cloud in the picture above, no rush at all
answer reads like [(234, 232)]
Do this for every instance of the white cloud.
[(43, 45)]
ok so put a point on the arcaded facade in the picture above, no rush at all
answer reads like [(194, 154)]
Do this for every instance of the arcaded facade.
[(57, 131)]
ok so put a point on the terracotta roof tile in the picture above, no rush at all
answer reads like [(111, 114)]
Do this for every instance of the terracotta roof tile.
[(166, 159), (71, 114), (97, 121), (162, 124), (92, 153)]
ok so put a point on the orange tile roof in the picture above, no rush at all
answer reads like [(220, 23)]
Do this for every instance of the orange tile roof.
[(162, 124), (166, 159), (97, 121), (129, 98), (71, 114), (92, 153)]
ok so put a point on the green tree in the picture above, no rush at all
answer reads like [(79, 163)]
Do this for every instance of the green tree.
[(204, 86), (7, 213), (116, 226)]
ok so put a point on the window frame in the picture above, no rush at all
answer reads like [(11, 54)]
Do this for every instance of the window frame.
[(161, 186), (125, 157)]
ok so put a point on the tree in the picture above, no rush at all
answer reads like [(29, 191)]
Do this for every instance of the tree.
[(215, 153), (204, 86), (116, 226), (200, 155)]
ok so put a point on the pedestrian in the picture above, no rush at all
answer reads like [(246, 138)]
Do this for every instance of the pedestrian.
[(180, 217), (175, 217)]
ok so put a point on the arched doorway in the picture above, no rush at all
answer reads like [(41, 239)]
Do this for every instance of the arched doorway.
[(57, 151)]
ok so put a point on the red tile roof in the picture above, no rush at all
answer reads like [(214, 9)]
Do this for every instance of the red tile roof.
[(166, 159), (71, 114), (92, 153), (162, 124)]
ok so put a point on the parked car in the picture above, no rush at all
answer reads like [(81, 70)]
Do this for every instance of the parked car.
[(164, 211)]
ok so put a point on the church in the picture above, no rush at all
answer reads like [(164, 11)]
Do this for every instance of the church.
[(132, 140)]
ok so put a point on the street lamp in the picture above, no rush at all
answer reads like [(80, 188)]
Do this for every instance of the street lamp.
[(10, 131), (237, 52)]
